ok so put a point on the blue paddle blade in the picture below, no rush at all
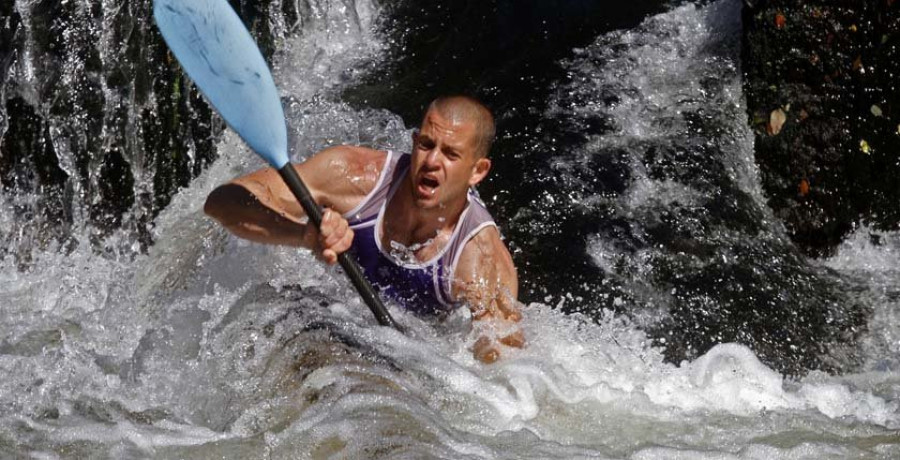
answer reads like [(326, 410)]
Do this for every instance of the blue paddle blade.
[(218, 53)]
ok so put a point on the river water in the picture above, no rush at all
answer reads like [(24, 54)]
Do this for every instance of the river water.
[(205, 346)]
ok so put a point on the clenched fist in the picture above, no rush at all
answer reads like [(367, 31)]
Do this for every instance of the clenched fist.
[(332, 238)]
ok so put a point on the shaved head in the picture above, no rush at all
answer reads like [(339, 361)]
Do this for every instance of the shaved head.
[(462, 109)]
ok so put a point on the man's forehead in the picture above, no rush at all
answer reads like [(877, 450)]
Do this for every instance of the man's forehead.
[(447, 123)]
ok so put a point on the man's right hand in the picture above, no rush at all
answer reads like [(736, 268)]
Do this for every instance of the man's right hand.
[(333, 237)]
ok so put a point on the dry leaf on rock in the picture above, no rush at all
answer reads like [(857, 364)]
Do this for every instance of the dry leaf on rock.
[(780, 20), (776, 121), (864, 147)]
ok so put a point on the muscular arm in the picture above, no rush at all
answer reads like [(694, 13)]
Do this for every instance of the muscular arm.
[(486, 278), (255, 213), (259, 206)]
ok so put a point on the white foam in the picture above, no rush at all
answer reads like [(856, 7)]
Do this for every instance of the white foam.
[(334, 41), (868, 250), (870, 260)]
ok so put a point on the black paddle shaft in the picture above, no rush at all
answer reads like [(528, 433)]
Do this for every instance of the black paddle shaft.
[(354, 272)]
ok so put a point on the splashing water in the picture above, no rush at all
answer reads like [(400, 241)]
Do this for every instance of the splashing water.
[(407, 254), (209, 346)]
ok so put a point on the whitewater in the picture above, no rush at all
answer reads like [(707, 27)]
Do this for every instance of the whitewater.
[(207, 346)]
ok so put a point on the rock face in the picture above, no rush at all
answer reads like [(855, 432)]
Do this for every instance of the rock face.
[(98, 125), (822, 90)]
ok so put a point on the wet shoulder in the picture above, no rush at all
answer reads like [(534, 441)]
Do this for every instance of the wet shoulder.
[(352, 161), (345, 174), (485, 257)]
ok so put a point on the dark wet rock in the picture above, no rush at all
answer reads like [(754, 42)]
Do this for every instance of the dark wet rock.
[(97, 115), (832, 66)]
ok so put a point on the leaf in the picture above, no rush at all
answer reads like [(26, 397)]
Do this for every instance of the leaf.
[(864, 147), (803, 188), (858, 64), (780, 20), (875, 110), (776, 121)]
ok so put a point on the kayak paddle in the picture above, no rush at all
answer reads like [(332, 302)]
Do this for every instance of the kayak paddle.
[(216, 50)]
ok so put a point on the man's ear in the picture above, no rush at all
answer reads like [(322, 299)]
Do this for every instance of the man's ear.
[(479, 171)]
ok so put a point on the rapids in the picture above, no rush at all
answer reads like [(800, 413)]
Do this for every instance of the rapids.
[(201, 345)]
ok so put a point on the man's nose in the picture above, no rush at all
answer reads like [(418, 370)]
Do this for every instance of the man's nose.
[(431, 158)]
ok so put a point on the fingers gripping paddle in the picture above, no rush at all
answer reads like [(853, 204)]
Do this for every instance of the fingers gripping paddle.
[(215, 49)]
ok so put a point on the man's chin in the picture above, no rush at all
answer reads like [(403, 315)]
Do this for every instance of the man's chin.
[(424, 200), (427, 203)]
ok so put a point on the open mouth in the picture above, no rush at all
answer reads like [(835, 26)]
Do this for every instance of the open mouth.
[(428, 186)]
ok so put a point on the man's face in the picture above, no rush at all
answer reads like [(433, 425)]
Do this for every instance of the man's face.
[(445, 161)]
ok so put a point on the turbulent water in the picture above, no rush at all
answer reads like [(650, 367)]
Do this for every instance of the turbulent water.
[(210, 347)]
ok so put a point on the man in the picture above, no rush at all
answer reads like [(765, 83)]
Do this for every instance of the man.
[(418, 231)]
